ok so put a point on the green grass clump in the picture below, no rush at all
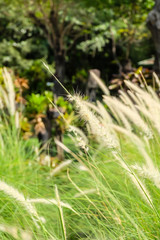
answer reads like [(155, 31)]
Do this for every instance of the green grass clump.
[(109, 191)]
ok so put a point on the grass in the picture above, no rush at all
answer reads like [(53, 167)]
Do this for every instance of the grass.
[(112, 189)]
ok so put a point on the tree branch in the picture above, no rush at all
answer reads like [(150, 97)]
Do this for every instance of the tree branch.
[(40, 23)]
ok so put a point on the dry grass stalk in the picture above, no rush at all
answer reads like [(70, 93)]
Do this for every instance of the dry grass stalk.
[(131, 114), (19, 197), (136, 181), (156, 79), (151, 174), (15, 232), (88, 191), (71, 153), (147, 103), (61, 213), (60, 167), (84, 194), (100, 83), (104, 114), (138, 143), (50, 202), (4, 97), (127, 100)]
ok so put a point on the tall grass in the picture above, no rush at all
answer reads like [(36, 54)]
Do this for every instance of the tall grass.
[(128, 183), (111, 187)]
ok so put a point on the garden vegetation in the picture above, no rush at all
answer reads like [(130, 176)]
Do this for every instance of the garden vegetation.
[(108, 185)]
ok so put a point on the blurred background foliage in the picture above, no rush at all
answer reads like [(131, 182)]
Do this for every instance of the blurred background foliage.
[(71, 37), (91, 32)]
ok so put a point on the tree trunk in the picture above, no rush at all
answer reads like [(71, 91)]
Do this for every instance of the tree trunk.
[(153, 23), (60, 75)]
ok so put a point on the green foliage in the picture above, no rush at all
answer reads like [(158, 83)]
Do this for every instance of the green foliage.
[(98, 32), (24, 41), (100, 36), (38, 76), (22, 45), (66, 110), (120, 21), (61, 102), (81, 76), (37, 103)]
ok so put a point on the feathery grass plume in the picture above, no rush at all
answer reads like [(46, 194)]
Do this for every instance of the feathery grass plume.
[(80, 137), (15, 232), (103, 117), (142, 95), (19, 197), (151, 174), (10, 90), (49, 202), (17, 120), (102, 134), (126, 99), (88, 191), (82, 168), (118, 115), (25, 235), (4, 97), (11, 230), (61, 214), (103, 112), (138, 143), (148, 104), (135, 97), (153, 119), (147, 144), (134, 87), (156, 79), (100, 110), (149, 99), (100, 83), (60, 167), (145, 112), (131, 114), (137, 182), (153, 93), (124, 121)]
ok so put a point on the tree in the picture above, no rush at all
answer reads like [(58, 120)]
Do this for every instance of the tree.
[(62, 23), (153, 23), (23, 46), (122, 23)]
